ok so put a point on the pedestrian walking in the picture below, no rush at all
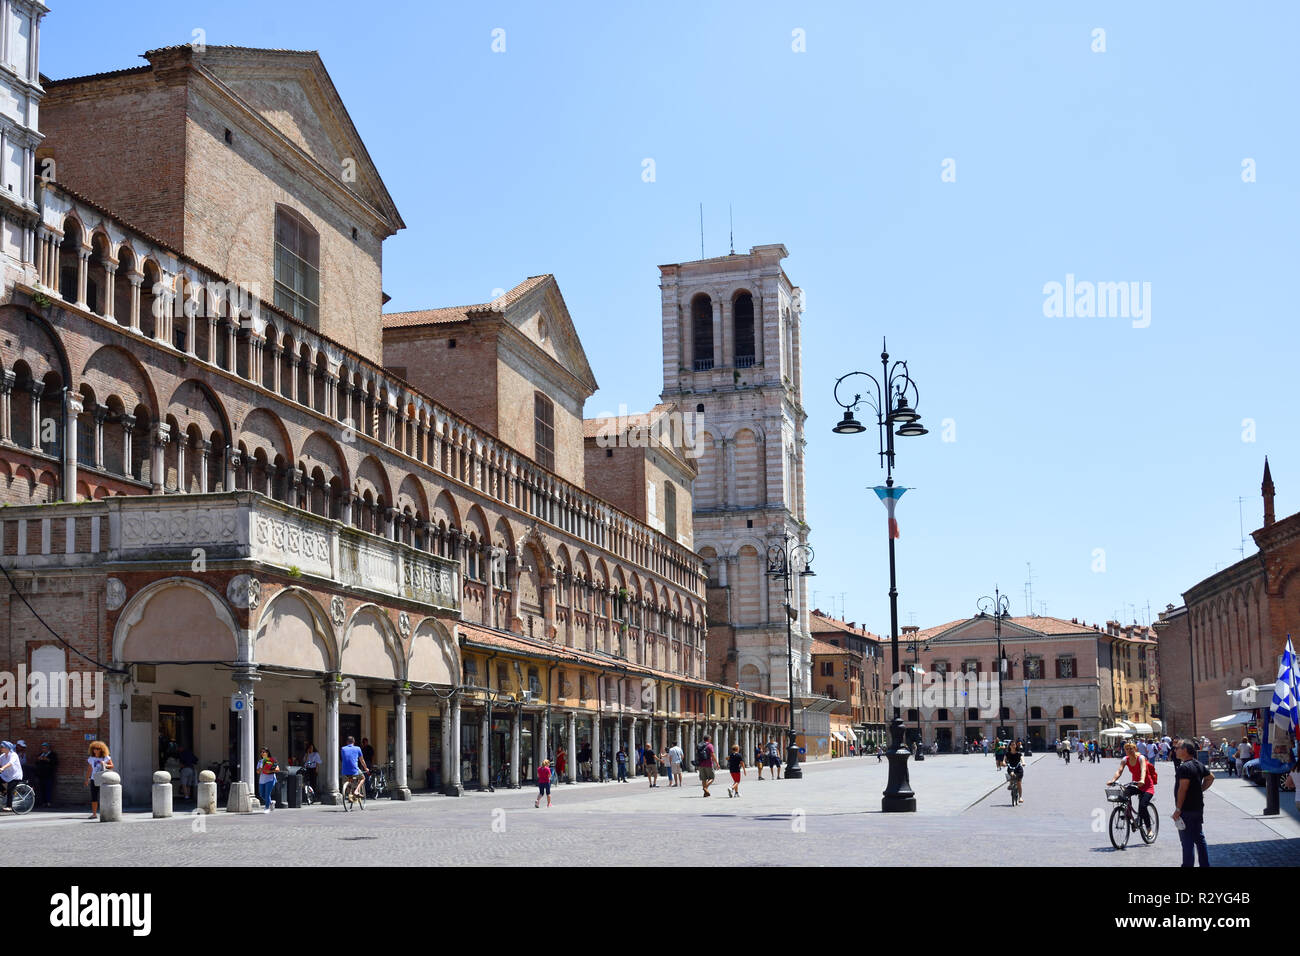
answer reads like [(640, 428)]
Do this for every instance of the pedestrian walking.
[(621, 759), (651, 764), (266, 768), (758, 759), (543, 784), (98, 762), (736, 765), (1191, 780), (561, 761), (705, 760), (675, 759), (774, 758), (311, 764), (47, 765)]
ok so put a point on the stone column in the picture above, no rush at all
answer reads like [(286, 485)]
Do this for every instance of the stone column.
[(117, 704), (595, 743), (328, 788), (294, 363), (72, 407), (128, 426), (484, 751), (7, 379), (717, 332), (515, 734), (245, 680), (631, 747), (571, 768), (100, 415), (182, 443), (400, 693), (36, 389), (233, 463), (617, 742), (158, 473), (83, 277), (455, 788), (133, 310), (545, 737), (110, 289)]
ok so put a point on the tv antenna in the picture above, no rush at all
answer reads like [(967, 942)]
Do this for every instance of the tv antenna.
[(1241, 527), (1029, 589), (701, 230), (732, 222)]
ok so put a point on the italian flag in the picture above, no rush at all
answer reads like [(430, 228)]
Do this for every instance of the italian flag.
[(889, 498)]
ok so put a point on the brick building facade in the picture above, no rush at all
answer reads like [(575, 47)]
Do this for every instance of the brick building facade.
[(217, 491)]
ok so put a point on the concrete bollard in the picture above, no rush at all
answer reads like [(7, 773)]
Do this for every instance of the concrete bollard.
[(207, 792), (162, 794), (110, 796), (240, 799)]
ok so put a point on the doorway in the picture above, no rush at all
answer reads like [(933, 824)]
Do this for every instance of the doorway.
[(175, 732), (302, 731)]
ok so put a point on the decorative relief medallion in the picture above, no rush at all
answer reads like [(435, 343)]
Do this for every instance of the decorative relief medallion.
[(244, 591), (404, 624), (115, 593), (337, 612)]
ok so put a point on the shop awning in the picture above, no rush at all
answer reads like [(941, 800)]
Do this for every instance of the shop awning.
[(1116, 732), (1143, 729), (838, 736), (1238, 719)]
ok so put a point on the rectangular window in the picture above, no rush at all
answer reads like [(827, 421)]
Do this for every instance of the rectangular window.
[(1033, 668), (670, 510), (297, 266), (543, 431), (1065, 667), (828, 668)]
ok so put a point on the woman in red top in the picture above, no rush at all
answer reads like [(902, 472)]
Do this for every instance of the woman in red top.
[(1137, 765), (544, 783)]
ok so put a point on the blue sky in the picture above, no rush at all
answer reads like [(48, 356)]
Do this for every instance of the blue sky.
[(1071, 434)]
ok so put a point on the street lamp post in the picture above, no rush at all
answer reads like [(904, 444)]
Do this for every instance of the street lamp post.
[(997, 607), (890, 404), (914, 649), (782, 560)]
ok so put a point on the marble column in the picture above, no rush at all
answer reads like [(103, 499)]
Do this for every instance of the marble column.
[(596, 773), (455, 788), (71, 409), (245, 680), (515, 735), (117, 713), (484, 751), (157, 469), (631, 747), (328, 788), (400, 693)]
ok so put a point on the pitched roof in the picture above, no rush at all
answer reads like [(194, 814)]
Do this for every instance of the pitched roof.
[(612, 424), (461, 313), (820, 623), (825, 647)]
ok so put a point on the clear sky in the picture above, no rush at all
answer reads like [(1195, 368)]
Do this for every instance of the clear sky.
[(1068, 434)]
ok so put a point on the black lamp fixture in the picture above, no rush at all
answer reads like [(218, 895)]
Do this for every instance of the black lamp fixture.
[(895, 401), (782, 560)]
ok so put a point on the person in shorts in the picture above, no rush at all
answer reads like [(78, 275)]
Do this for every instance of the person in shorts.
[(675, 758), (352, 766), (651, 764), (706, 759), (543, 784), (736, 765), (774, 758)]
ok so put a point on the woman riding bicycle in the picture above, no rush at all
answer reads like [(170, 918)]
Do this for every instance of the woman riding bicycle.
[(1016, 767), (1137, 765)]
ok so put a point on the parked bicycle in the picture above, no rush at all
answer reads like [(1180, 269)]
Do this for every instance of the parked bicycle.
[(1124, 819)]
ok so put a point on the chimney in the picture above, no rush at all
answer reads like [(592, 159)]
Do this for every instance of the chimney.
[(1267, 489), (910, 628)]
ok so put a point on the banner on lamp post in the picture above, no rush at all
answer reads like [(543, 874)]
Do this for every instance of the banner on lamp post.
[(889, 498)]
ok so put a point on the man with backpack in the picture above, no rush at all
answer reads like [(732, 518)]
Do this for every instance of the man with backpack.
[(705, 761)]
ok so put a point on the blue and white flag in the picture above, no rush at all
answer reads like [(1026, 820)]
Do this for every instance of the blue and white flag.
[(1285, 708), (889, 498)]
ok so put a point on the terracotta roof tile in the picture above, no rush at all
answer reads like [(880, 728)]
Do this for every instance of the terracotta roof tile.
[(825, 647), (460, 313), (820, 623)]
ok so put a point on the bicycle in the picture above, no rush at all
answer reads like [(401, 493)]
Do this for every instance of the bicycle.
[(1013, 784), (378, 781), (24, 797), (1124, 819), (353, 791)]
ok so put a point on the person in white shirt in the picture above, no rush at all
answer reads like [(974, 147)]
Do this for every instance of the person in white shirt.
[(11, 771), (675, 758)]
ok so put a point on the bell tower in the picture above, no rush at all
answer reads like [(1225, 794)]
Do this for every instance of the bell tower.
[(731, 364)]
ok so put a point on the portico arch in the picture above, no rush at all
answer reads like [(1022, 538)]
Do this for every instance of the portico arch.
[(434, 656), (294, 632), (147, 629), (370, 646)]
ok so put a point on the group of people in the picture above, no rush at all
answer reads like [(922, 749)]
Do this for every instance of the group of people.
[(1191, 779), (1086, 750), (15, 766)]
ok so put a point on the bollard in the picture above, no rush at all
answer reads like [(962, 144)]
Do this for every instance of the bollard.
[(240, 799), (207, 792), (162, 794), (110, 796)]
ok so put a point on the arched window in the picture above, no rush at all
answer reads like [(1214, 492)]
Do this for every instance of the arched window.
[(543, 431), (670, 510), (702, 332), (742, 312), (297, 266)]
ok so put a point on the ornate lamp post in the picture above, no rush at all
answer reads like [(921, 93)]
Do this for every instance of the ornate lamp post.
[(890, 404), (784, 561), (914, 648), (997, 607)]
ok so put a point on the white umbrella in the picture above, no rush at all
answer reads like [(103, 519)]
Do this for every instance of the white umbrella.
[(1238, 719), (1116, 732)]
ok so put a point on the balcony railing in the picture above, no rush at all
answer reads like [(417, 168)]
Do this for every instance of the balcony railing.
[(227, 526), (703, 365)]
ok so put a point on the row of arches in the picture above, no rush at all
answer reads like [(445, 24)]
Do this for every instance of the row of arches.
[(1226, 634), (740, 348)]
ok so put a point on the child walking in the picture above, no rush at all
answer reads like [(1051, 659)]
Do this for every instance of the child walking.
[(736, 764)]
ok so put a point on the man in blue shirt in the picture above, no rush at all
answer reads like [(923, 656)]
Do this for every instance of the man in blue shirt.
[(351, 767)]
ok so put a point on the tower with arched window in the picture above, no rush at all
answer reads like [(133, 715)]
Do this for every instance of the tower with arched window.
[(19, 134), (731, 364)]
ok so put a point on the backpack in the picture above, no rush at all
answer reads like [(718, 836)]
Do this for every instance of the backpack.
[(1151, 772), (702, 754)]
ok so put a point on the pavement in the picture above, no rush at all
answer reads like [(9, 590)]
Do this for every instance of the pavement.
[(830, 817)]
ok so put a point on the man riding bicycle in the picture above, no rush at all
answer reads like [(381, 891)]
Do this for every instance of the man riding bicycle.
[(1144, 778), (352, 768), (11, 773)]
